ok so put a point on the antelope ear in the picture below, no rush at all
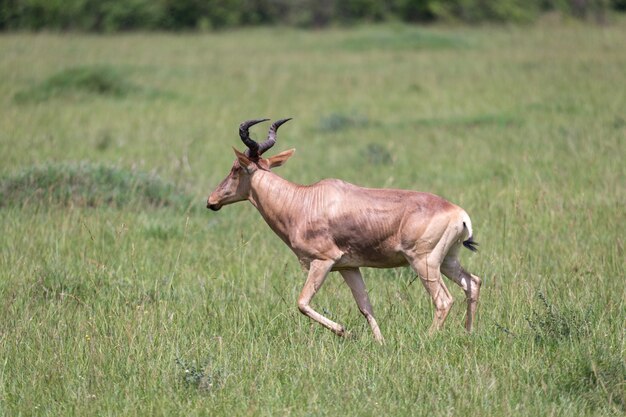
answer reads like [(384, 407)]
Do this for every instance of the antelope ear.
[(244, 160), (281, 158)]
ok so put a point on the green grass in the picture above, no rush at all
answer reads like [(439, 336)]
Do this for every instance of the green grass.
[(121, 295)]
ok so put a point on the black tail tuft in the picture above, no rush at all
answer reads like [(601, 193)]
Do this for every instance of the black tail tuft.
[(471, 245)]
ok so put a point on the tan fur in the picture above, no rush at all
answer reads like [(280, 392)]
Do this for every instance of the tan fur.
[(336, 226)]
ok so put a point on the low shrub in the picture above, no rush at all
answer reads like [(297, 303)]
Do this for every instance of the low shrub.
[(88, 185), (97, 80)]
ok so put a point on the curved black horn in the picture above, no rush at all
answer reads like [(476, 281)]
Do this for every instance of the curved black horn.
[(271, 136), (253, 147)]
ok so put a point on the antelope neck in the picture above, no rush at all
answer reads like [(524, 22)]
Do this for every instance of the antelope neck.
[(273, 197)]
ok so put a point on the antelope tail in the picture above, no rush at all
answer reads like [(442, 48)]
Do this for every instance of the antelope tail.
[(469, 243)]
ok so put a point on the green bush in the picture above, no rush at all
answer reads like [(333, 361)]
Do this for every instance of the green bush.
[(115, 15), (41, 14), (484, 10), (88, 185), (98, 80), (131, 14)]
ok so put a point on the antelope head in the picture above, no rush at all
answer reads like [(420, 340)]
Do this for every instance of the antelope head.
[(237, 184)]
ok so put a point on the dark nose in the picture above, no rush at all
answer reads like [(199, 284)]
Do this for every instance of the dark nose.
[(214, 207)]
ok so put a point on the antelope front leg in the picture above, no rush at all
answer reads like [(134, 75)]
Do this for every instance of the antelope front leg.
[(318, 271), (354, 279)]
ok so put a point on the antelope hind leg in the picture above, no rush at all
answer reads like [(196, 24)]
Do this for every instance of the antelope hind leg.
[(451, 267), (431, 279)]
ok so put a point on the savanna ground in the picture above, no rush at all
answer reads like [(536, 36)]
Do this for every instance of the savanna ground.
[(122, 295)]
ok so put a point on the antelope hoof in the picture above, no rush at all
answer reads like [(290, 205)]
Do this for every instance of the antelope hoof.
[(341, 331)]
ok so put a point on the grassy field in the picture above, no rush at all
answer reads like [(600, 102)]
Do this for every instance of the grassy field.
[(122, 295)]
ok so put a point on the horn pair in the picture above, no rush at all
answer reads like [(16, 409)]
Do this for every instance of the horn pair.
[(255, 150)]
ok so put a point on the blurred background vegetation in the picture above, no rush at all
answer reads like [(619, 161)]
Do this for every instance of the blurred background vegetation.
[(123, 15)]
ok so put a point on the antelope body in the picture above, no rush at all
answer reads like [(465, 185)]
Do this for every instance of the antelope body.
[(336, 226)]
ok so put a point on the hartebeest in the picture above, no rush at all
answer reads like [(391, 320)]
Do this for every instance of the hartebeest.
[(336, 226)]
